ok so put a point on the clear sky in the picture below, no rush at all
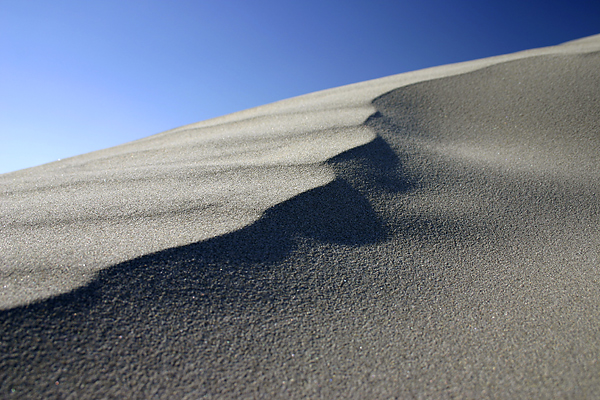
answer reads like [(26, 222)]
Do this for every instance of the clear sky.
[(78, 76)]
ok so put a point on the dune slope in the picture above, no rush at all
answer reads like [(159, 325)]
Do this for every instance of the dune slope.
[(432, 235)]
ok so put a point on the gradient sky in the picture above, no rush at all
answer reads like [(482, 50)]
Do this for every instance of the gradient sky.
[(78, 76)]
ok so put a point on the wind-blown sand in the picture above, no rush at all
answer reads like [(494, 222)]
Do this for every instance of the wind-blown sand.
[(434, 234)]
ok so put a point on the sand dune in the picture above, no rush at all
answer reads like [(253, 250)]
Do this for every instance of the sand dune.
[(433, 234)]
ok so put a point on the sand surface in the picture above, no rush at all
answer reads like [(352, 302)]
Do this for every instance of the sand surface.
[(433, 234)]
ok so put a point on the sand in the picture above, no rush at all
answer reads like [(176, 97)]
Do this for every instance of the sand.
[(433, 234)]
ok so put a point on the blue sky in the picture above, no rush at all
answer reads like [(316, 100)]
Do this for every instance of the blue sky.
[(78, 76)]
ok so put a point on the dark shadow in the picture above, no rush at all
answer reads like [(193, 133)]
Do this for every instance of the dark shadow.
[(161, 311)]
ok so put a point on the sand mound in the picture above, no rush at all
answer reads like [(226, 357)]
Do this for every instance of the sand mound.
[(430, 234)]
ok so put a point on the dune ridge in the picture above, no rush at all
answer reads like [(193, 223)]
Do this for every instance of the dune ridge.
[(430, 234)]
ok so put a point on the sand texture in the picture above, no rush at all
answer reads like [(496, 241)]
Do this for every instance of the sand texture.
[(433, 234)]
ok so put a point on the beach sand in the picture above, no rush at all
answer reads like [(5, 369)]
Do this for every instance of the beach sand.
[(433, 234)]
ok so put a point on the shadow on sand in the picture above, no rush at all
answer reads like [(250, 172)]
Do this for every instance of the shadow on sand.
[(160, 319)]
